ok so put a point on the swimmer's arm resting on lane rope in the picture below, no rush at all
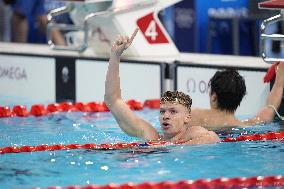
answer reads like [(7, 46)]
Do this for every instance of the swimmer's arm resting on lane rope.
[(267, 113)]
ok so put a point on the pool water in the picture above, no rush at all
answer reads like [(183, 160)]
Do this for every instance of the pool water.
[(83, 167)]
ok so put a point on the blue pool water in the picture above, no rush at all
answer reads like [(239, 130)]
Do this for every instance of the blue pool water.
[(83, 167)]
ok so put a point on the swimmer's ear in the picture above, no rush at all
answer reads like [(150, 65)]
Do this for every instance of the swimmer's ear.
[(187, 119), (214, 100), (214, 97)]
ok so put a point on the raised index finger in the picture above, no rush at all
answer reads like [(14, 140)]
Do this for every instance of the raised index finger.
[(133, 35)]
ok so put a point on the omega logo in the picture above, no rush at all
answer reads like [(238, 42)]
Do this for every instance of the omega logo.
[(194, 86), (13, 73)]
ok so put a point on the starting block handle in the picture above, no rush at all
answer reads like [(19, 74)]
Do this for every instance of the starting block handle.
[(89, 21), (65, 27), (61, 27), (274, 4)]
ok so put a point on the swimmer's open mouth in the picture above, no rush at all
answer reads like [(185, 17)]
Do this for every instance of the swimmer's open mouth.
[(165, 126)]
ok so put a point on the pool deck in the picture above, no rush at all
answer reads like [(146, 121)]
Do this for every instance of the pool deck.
[(182, 58)]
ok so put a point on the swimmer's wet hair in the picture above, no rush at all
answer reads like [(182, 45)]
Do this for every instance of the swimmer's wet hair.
[(230, 88), (177, 97)]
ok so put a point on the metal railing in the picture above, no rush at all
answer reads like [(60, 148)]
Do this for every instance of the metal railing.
[(273, 37), (86, 25)]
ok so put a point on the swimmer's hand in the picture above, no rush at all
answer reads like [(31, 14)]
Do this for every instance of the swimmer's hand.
[(122, 43)]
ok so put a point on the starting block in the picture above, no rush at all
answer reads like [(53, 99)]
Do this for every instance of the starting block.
[(272, 5), (97, 23)]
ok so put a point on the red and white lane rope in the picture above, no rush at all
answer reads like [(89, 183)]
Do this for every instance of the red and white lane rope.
[(115, 146), (41, 110), (224, 183)]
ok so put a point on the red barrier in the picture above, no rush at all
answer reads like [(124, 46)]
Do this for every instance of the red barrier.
[(5, 112), (20, 110), (96, 107), (55, 107), (83, 107), (67, 106), (267, 136), (12, 149), (38, 110), (225, 183), (153, 103), (135, 105), (105, 108)]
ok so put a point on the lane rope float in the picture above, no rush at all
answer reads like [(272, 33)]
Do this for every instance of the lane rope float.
[(117, 146), (237, 182), (40, 110)]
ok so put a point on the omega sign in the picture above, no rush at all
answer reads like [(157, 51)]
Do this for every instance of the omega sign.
[(13, 73), (197, 86)]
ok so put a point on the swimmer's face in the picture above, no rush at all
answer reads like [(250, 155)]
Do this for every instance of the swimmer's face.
[(173, 118)]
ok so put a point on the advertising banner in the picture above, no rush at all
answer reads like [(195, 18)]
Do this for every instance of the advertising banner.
[(139, 81), (28, 77)]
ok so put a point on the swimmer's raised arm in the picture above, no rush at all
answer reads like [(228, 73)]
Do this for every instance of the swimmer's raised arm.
[(127, 120), (274, 98)]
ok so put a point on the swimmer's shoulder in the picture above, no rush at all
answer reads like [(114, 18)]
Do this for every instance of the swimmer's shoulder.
[(201, 135), (198, 130), (199, 111), (198, 115)]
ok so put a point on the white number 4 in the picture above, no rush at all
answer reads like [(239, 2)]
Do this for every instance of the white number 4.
[(151, 30)]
